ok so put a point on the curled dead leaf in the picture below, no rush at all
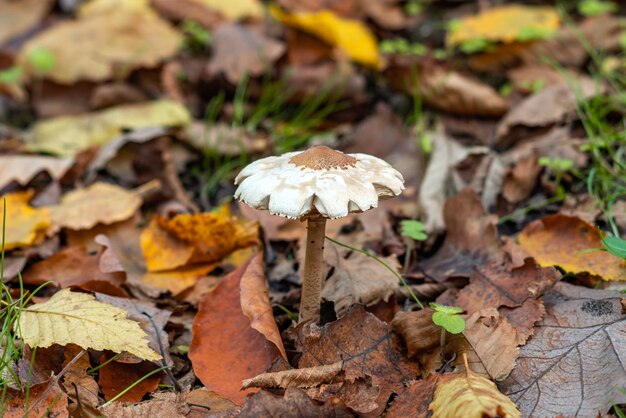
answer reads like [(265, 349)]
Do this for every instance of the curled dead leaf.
[(295, 378)]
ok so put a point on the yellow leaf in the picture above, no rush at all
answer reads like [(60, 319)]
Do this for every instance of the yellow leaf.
[(564, 241), (105, 39), (351, 36), (234, 9), (193, 238), (24, 224), (177, 281), (68, 135), (78, 318), (505, 24), (470, 396), (99, 203)]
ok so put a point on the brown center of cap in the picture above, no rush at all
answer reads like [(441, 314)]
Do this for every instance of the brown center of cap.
[(321, 157)]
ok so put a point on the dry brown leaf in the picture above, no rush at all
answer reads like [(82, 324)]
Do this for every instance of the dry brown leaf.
[(494, 285), (294, 404), (23, 168), (417, 329), (413, 401), (19, 16), (295, 378), (494, 341), (225, 349), (557, 240), (358, 279), (471, 239), (162, 405), (521, 180), (25, 225), (201, 400), (54, 403), (122, 37), (238, 51), (115, 377), (99, 203), (76, 382), (574, 364)]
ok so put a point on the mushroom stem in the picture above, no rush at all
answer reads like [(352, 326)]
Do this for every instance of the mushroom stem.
[(313, 280)]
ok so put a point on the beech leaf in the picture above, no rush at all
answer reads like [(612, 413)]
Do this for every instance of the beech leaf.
[(78, 318)]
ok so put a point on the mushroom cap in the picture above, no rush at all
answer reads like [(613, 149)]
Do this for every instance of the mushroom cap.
[(318, 181)]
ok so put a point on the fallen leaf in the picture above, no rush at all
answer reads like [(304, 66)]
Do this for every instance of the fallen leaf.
[(77, 318), (114, 377), (471, 239), (347, 340), (193, 238), (67, 135), (25, 225), (19, 16), (493, 341), (225, 348), (112, 39), (294, 403), (99, 203), (358, 279), (24, 168), (239, 52), (521, 180), (54, 403), (494, 285), (575, 355), (560, 240), (471, 396), (201, 400), (162, 405), (417, 329), (413, 401), (543, 109), (236, 9), (73, 266), (76, 382), (351, 36), (505, 24), (295, 378), (176, 281)]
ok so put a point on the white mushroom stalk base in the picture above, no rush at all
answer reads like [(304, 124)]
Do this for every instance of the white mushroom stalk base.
[(313, 278)]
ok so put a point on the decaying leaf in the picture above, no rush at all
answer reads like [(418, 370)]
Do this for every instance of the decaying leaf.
[(351, 36), (295, 378), (161, 405), (505, 24), (413, 401), (471, 239), (23, 168), (225, 348), (234, 10), (472, 396), (417, 329), (294, 403), (76, 382), (99, 203), (358, 279), (67, 135), (77, 318), (564, 241), (54, 403), (193, 238), (574, 365), (110, 37), (238, 51), (25, 225), (115, 377)]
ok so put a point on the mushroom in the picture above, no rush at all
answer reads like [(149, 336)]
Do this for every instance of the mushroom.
[(314, 185)]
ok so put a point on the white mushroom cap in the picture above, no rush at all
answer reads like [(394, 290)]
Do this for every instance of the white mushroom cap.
[(319, 180)]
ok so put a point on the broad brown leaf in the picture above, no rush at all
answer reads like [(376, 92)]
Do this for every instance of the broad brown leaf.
[(77, 383), (417, 329), (413, 401), (294, 403), (575, 362), (557, 240), (54, 403), (471, 239), (161, 405), (225, 348), (115, 377)]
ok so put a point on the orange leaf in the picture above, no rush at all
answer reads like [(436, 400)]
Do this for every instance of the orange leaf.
[(116, 376), (225, 348), (557, 240)]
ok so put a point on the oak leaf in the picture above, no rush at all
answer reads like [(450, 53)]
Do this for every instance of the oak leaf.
[(576, 354), (564, 241), (77, 318), (25, 225)]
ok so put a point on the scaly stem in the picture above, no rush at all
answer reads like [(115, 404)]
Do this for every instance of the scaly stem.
[(313, 279)]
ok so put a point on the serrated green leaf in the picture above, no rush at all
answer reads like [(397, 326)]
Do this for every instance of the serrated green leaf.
[(413, 229), (615, 246), (446, 309)]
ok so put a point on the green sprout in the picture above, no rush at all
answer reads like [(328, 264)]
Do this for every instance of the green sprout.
[(41, 60), (596, 7), (196, 36), (448, 318), (11, 75), (413, 229)]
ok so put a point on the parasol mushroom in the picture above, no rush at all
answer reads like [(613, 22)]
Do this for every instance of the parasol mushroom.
[(314, 185)]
